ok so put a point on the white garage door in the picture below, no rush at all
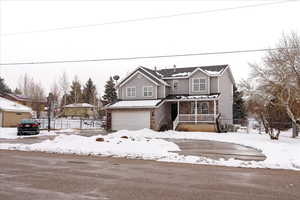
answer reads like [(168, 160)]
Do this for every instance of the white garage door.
[(130, 120)]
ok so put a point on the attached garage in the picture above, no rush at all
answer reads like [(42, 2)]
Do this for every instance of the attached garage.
[(131, 115), (130, 120)]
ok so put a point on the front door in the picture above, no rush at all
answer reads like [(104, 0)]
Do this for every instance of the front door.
[(174, 111)]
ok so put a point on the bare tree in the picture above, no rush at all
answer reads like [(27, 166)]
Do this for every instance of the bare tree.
[(278, 76), (64, 85)]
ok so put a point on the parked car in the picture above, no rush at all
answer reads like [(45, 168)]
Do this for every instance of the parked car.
[(28, 127)]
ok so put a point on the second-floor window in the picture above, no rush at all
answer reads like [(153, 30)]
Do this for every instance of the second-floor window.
[(199, 84), (148, 91), (130, 91)]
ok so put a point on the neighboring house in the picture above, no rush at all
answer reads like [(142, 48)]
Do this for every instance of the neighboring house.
[(11, 113), (191, 99), (79, 110), (38, 106)]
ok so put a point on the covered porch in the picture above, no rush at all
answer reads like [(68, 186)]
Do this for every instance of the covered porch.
[(194, 110)]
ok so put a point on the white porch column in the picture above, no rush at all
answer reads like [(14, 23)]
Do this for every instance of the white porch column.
[(215, 111), (196, 110), (178, 109)]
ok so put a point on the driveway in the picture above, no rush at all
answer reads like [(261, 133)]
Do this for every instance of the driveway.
[(217, 150), (35, 175), (210, 149)]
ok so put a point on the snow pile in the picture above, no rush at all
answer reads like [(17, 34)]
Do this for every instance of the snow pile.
[(148, 144), (132, 147), (134, 103), (281, 154), (11, 133)]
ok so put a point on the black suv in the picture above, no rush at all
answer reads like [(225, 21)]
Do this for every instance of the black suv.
[(28, 127)]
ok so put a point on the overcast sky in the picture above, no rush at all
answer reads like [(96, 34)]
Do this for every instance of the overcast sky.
[(248, 28)]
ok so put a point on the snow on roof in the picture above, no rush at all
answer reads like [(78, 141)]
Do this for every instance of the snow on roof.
[(181, 74), (7, 105), (214, 96), (79, 105), (212, 73), (135, 104)]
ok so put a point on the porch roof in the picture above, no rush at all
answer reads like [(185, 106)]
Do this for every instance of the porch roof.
[(134, 104), (193, 97)]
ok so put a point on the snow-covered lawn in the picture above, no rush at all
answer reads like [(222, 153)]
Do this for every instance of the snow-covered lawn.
[(148, 144)]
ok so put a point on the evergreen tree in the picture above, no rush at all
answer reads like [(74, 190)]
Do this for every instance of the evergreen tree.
[(110, 93), (3, 87), (75, 93), (17, 91), (89, 92), (239, 110)]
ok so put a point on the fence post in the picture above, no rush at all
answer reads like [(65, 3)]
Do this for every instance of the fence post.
[(248, 126), (80, 123), (295, 130)]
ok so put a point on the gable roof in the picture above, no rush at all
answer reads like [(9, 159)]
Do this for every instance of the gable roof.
[(186, 71), (148, 73), (158, 76), (11, 106), (18, 97)]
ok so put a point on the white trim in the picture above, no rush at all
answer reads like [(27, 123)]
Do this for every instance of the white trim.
[(148, 87), (175, 100), (178, 77), (199, 69), (123, 79), (127, 91), (206, 84), (156, 94), (137, 72), (230, 74), (160, 80), (164, 96)]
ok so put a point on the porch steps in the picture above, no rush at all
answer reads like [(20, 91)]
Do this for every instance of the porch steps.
[(199, 127)]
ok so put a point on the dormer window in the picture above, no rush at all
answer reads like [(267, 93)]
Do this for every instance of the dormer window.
[(199, 84), (130, 91), (148, 91)]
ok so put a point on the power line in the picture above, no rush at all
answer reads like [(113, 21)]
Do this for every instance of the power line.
[(149, 18), (141, 57)]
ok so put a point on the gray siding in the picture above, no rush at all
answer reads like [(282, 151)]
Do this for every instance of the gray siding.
[(226, 96), (138, 81), (161, 92), (213, 84), (183, 86), (199, 74)]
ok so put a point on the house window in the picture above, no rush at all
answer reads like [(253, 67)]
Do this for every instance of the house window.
[(199, 84), (130, 91), (148, 91), (202, 108)]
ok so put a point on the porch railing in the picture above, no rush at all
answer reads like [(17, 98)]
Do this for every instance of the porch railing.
[(196, 118)]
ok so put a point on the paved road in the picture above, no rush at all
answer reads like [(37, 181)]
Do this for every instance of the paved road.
[(34, 175)]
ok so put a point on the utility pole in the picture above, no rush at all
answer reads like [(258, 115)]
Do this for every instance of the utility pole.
[(49, 102)]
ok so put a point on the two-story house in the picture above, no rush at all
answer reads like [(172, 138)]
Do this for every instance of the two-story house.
[(190, 99)]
